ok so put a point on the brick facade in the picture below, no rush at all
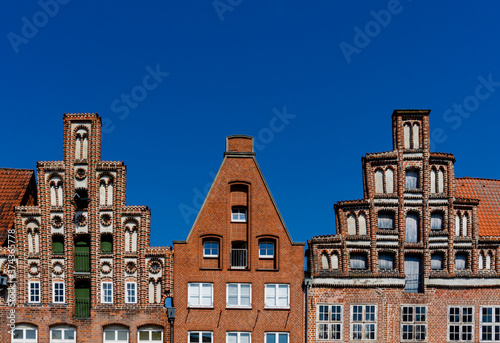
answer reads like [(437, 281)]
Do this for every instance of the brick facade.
[(239, 242), (80, 235), (413, 245)]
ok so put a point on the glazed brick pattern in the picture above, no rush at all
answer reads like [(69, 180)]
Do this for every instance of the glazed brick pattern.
[(214, 220), (47, 314), (463, 285)]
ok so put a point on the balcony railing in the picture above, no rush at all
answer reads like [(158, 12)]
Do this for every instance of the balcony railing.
[(82, 308), (413, 283), (82, 262), (239, 258)]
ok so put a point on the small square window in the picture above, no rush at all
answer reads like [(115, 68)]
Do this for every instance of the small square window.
[(266, 250), (239, 214), (211, 249)]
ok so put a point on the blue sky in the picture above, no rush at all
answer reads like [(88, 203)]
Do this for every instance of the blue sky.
[(334, 70)]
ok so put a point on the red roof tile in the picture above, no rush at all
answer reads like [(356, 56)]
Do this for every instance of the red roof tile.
[(13, 186), (487, 191)]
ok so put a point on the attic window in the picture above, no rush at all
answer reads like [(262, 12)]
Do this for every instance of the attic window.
[(239, 214)]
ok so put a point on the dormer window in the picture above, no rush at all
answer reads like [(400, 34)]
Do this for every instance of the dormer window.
[(239, 214), (211, 249)]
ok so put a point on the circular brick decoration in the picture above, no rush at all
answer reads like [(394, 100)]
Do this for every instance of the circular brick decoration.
[(33, 268), (106, 220), (80, 174), (81, 220), (57, 222), (106, 267), (57, 268), (130, 267), (154, 266)]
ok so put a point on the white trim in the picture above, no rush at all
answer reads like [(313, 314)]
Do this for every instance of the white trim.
[(211, 255), (276, 286), (23, 328), (329, 322), (238, 335), (200, 335), (460, 323), (116, 329), (39, 295), (54, 292), (150, 329), (199, 296), (134, 290), (363, 322), (103, 301), (413, 322), (63, 328), (238, 295), (276, 339)]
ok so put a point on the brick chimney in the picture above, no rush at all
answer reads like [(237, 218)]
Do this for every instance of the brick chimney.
[(238, 145)]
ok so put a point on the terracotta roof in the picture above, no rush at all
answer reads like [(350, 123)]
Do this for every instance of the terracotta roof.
[(487, 191), (13, 186)]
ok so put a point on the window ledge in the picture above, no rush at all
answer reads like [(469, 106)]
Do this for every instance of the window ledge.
[(200, 307), (238, 308), (267, 270), (202, 268), (277, 308)]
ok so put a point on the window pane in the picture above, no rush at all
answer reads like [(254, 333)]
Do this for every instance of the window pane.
[(386, 261), (232, 337), (156, 335), (270, 338), (411, 179), (56, 334), (460, 261), (144, 335), (30, 334), (436, 221), (206, 337), (358, 261), (283, 338), (436, 262), (122, 335), (386, 221), (109, 335), (69, 334), (194, 337)]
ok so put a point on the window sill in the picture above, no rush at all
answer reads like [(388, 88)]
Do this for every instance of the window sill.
[(202, 268), (277, 308), (232, 308), (200, 307), (267, 270)]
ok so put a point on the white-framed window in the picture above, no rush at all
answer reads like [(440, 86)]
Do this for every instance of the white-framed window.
[(150, 334), (211, 249), (386, 261), (107, 292), (58, 292), (490, 324), (329, 322), (277, 295), (239, 295), (238, 337), (363, 322), (25, 334), (115, 334), (266, 249), (238, 214), (62, 334), (277, 337), (413, 323), (460, 323), (200, 294), (130, 292), (34, 292), (200, 337)]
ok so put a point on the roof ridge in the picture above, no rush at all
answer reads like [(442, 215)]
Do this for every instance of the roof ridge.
[(476, 178)]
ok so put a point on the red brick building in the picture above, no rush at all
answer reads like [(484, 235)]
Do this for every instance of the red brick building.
[(417, 259), (238, 276), (86, 272)]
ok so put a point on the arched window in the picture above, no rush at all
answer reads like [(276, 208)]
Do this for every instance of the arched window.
[(412, 179), (389, 180), (362, 224), (106, 243), (385, 221), (81, 148), (412, 228), (324, 261), (436, 261), (488, 261), (57, 244), (481, 261), (25, 334), (335, 261), (351, 225), (464, 224), (379, 181), (62, 334), (115, 334), (407, 135), (56, 191), (437, 221), (33, 237), (416, 136), (210, 248), (440, 182), (457, 225), (106, 190), (131, 233), (147, 334), (433, 180)]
